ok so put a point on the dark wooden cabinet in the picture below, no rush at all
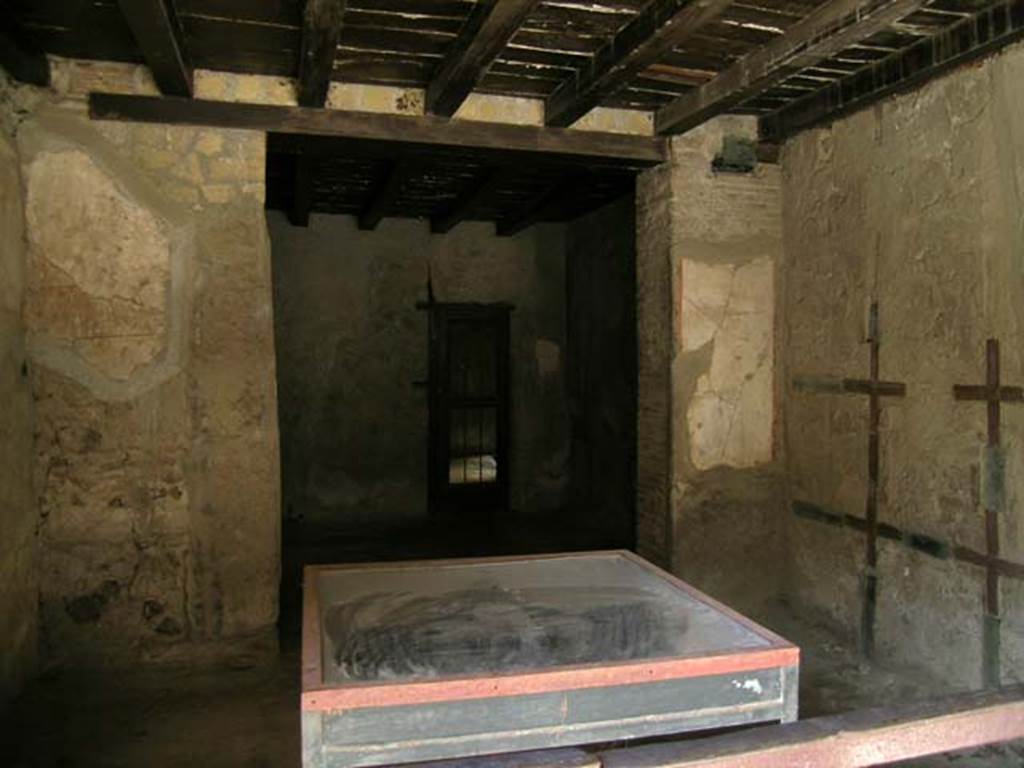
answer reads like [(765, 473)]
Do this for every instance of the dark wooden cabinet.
[(469, 409)]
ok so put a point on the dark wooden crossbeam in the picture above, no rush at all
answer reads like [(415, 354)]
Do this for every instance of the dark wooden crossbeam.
[(919, 542), (321, 28), (384, 193), (993, 394), (463, 205), (384, 131), (973, 37), (302, 200), (826, 31), (484, 36), (157, 31), (650, 36), (875, 389)]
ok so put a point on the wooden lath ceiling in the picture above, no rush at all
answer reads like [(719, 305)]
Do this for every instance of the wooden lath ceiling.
[(344, 177), (793, 63), (405, 42)]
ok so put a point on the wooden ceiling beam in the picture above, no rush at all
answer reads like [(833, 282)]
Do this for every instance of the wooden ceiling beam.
[(829, 29), (321, 29), (462, 206), (384, 194), (482, 38), (648, 38), (157, 32), (302, 197), (384, 131), (977, 35)]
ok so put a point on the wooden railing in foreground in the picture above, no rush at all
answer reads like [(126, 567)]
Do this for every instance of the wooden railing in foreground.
[(861, 738)]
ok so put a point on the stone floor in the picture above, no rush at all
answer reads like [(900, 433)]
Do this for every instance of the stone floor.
[(245, 715)]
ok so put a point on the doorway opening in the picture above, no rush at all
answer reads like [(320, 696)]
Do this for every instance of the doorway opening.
[(469, 410)]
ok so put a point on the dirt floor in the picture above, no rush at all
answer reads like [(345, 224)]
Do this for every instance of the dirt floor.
[(246, 714)]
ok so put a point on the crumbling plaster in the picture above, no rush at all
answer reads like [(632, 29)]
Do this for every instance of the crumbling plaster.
[(151, 362), (709, 244), (916, 204), (149, 318)]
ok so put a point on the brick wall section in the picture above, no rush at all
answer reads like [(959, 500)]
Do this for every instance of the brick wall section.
[(18, 510), (709, 483), (654, 207)]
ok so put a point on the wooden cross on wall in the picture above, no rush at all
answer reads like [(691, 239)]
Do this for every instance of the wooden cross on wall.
[(875, 389), (993, 394)]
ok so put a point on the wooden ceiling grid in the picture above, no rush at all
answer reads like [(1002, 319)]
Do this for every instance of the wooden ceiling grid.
[(793, 63)]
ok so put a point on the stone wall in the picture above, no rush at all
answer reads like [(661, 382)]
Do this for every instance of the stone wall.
[(18, 512), (149, 321), (915, 204), (601, 371), (351, 343), (709, 244)]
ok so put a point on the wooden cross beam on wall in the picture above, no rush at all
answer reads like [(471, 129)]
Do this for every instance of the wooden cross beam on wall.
[(875, 389), (993, 394)]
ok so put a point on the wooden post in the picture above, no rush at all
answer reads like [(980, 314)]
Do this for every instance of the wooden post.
[(875, 389), (993, 394)]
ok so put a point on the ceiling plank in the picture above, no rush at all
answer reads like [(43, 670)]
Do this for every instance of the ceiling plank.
[(660, 27), (485, 34), (826, 31), (321, 29), (623, 150), (462, 206), (157, 32), (978, 35), (302, 199)]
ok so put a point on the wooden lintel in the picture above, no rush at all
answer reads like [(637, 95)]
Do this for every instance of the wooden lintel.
[(976, 36), (463, 205), (485, 34), (321, 28), (157, 32), (384, 193), (384, 129), (826, 31), (649, 37), (853, 739), (302, 199)]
